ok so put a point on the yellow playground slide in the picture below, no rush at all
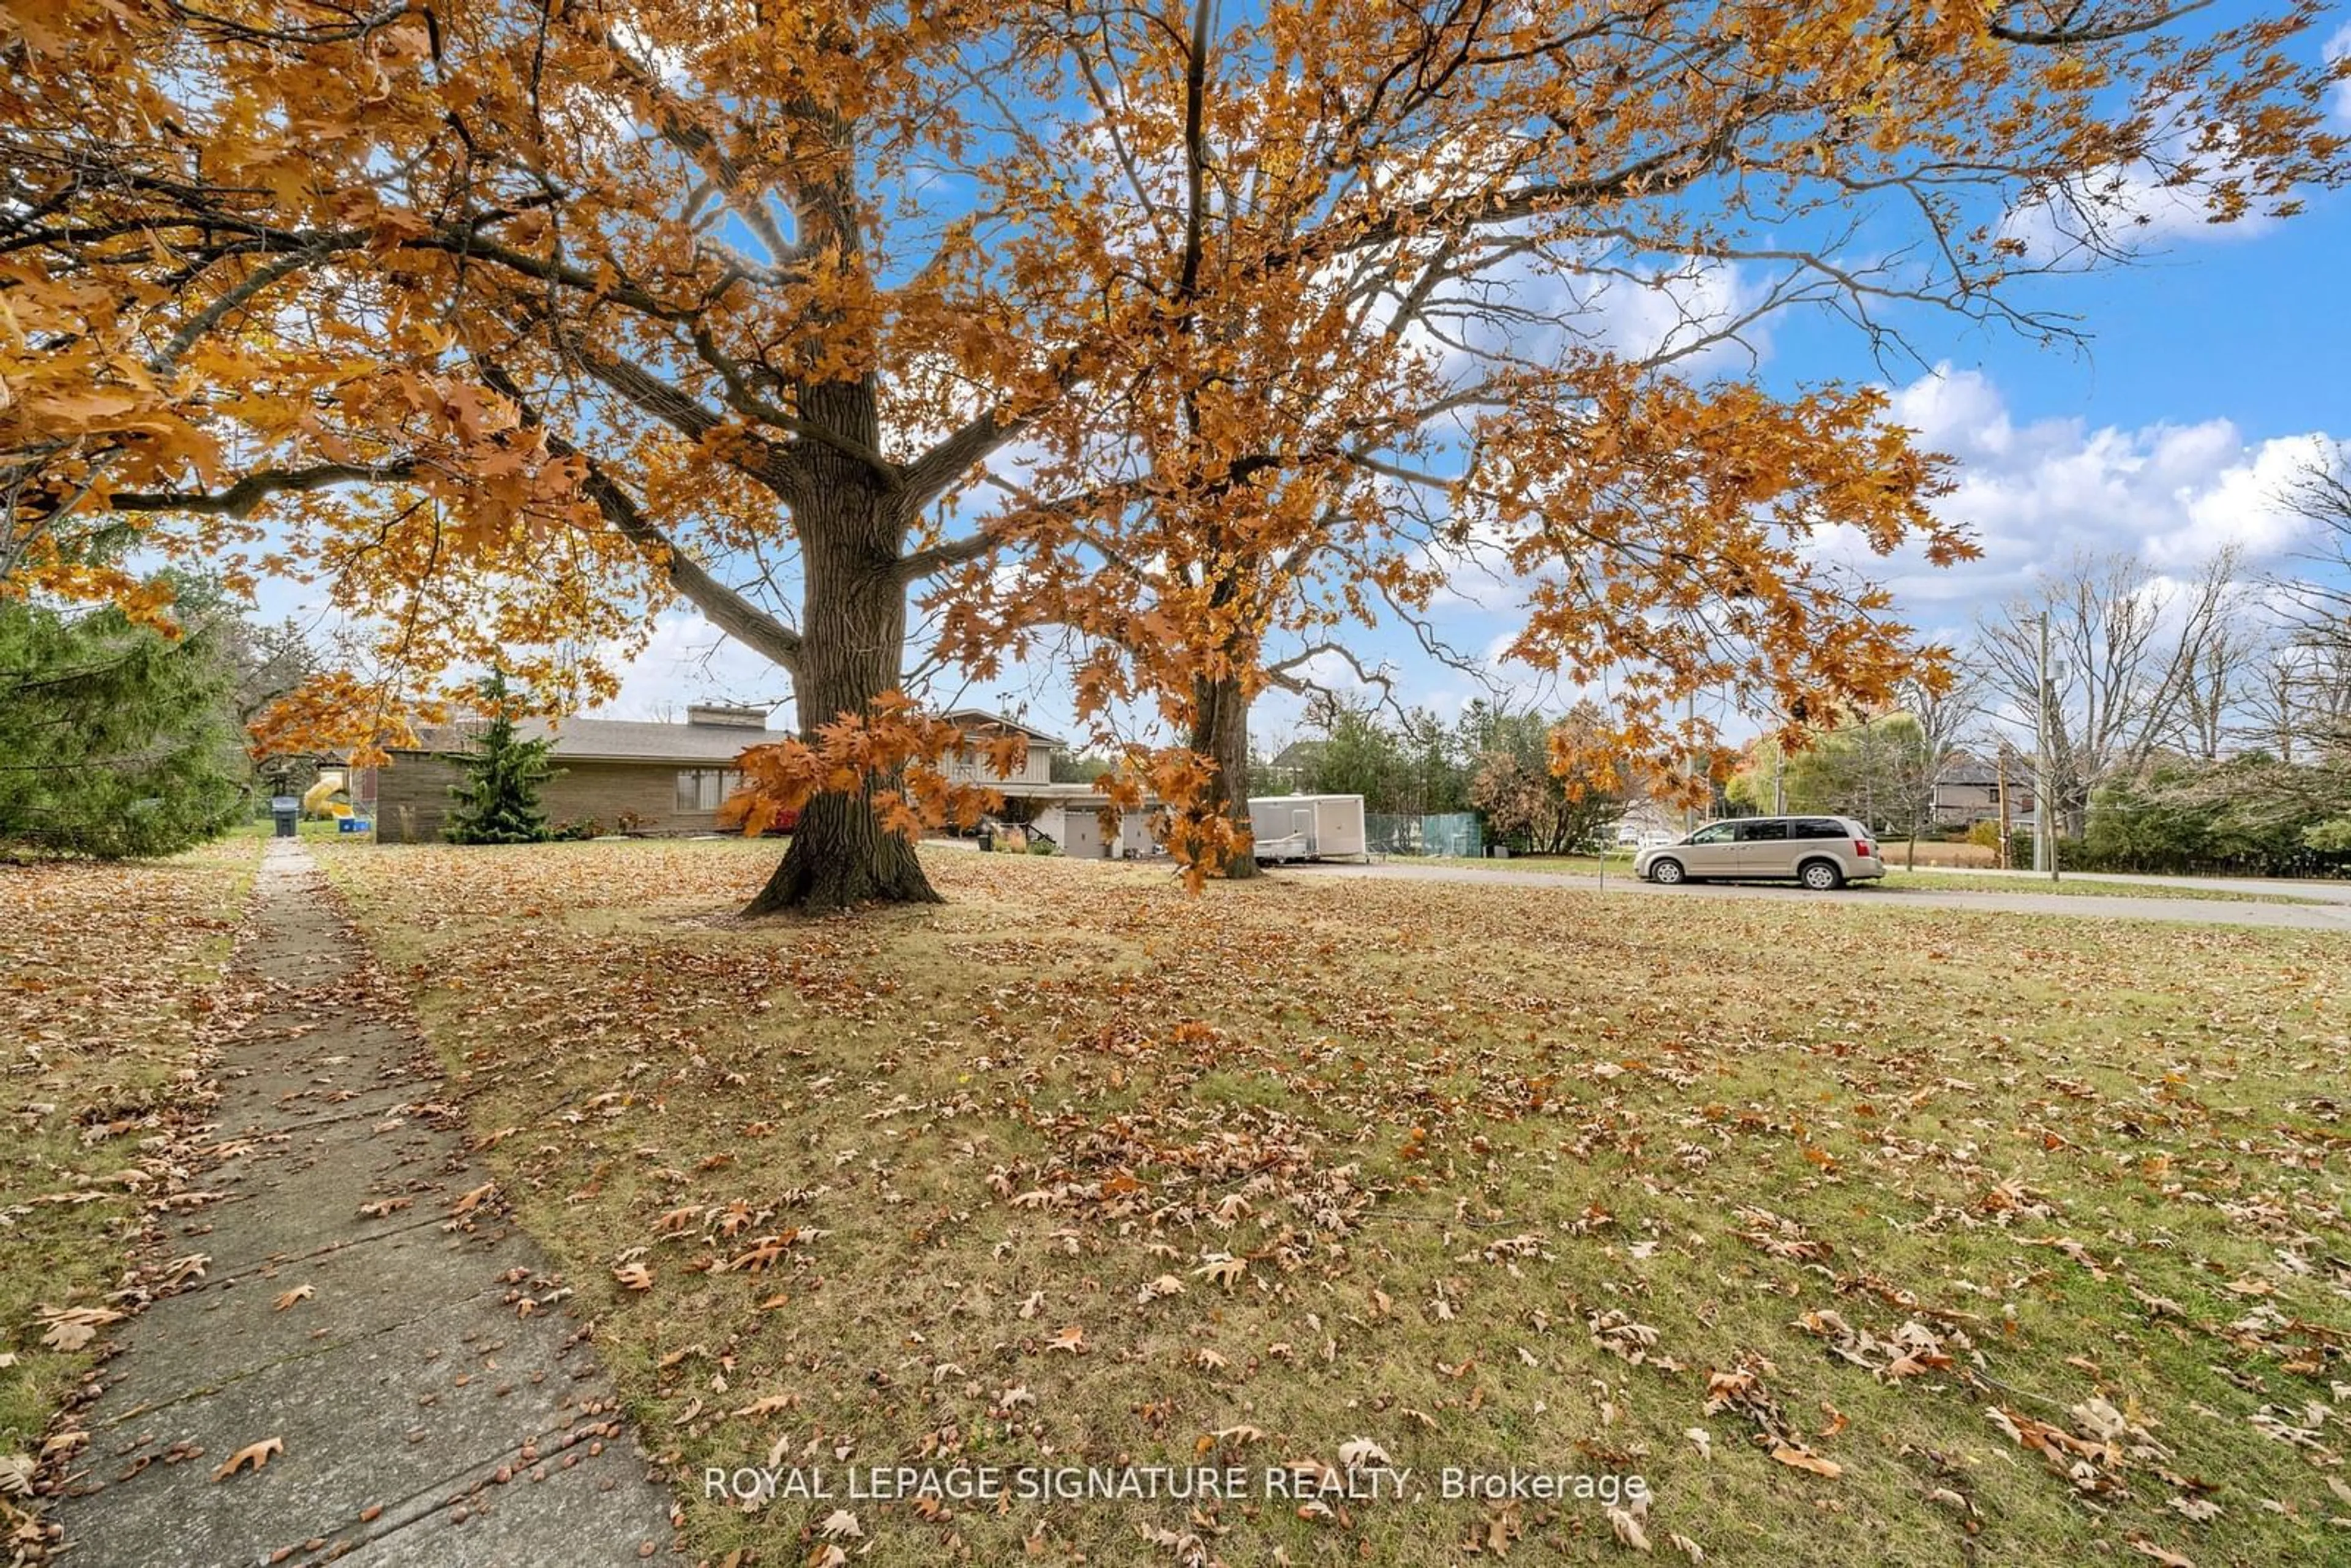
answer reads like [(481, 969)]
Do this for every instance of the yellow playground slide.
[(317, 799)]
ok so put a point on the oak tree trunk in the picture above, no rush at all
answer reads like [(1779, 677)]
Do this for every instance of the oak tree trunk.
[(852, 643), (1220, 732)]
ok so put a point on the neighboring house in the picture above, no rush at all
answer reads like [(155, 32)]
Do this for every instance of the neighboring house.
[(973, 766), (1968, 792), (1291, 767), (1072, 815), (1076, 823), (651, 778)]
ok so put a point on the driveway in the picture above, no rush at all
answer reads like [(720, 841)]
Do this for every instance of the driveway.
[(2332, 916)]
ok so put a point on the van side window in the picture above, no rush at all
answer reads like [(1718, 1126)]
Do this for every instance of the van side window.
[(1763, 829), (1818, 827), (1720, 833)]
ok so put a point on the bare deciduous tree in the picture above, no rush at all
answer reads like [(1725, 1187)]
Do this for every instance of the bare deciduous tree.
[(2137, 663)]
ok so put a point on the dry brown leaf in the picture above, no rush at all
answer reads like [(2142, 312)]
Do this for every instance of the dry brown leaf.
[(1628, 1526), (74, 1327), (287, 1298), (1797, 1458), (253, 1454)]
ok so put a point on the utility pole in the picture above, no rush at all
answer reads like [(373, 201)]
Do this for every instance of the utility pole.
[(2044, 838), (1689, 753)]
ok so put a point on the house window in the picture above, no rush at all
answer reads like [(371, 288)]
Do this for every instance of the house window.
[(701, 788)]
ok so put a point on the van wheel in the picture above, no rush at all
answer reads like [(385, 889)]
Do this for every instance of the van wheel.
[(1665, 873), (1820, 876)]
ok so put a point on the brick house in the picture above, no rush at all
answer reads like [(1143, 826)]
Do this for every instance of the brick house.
[(649, 777), (644, 776)]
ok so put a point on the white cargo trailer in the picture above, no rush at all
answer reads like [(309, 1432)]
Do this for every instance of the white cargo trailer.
[(1307, 827)]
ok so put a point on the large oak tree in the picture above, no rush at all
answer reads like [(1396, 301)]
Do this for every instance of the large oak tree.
[(518, 319)]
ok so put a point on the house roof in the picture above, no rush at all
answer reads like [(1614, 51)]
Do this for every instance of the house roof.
[(684, 745), (1967, 769), (980, 718), (615, 740), (1299, 753)]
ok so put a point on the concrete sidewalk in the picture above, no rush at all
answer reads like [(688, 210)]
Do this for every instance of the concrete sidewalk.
[(365, 1305)]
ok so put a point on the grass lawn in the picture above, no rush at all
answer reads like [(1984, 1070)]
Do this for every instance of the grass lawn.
[(1861, 1234), (2086, 885), (107, 973)]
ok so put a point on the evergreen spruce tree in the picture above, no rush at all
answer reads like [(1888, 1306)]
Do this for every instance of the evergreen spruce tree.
[(497, 800), (115, 739)]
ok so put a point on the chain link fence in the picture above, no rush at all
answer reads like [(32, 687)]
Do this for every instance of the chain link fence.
[(1445, 833)]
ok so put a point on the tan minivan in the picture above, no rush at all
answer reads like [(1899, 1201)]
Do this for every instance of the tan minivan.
[(1822, 852)]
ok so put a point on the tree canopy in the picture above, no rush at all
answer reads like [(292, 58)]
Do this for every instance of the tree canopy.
[(1190, 338)]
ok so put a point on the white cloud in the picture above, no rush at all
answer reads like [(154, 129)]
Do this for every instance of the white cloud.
[(2034, 493), (689, 660), (2145, 206)]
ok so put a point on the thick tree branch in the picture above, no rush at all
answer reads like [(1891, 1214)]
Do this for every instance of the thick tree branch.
[(2065, 36), (240, 499), (726, 608)]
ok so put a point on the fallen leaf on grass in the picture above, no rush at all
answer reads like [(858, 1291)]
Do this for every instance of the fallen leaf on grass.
[(635, 1277), (1223, 1269), (75, 1327), (1071, 1339), (1626, 1523), (1153, 1290), (287, 1298), (1796, 1459), (762, 1255), (254, 1454), (2145, 1548), (841, 1525)]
